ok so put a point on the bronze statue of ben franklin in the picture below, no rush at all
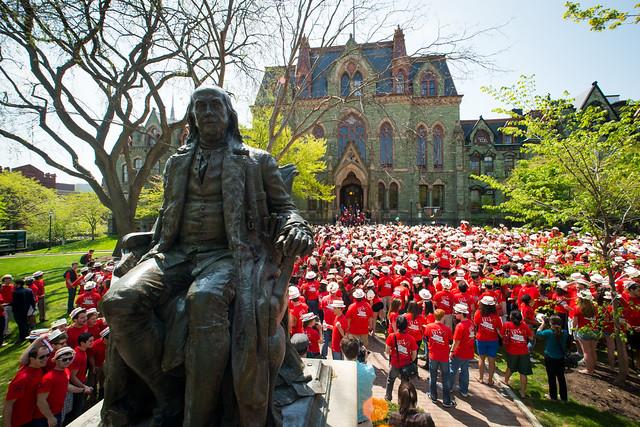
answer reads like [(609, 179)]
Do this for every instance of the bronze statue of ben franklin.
[(214, 241)]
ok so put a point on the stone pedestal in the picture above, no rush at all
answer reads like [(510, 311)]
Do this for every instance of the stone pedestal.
[(334, 404)]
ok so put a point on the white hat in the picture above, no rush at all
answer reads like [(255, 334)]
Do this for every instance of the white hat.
[(461, 308), (54, 334), (575, 276), (89, 285), (358, 293), (628, 283), (64, 350), (632, 272), (582, 281), (385, 269), (105, 332), (84, 269), (425, 294), (416, 280), (308, 316), (310, 275), (92, 310), (7, 276), (58, 323), (332, 287), (562, 285), (371, 294), (38, 274), (597, 278), (76, 311), (333, 271), (337, 304), (446, 283), (294, 292), (433, 272), (375, 272), (88, 276), (488, 300), (540, 317), (97, 265), (586, 295), (412, 264), (607, 295)]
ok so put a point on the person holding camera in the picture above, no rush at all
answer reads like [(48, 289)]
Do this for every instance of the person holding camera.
[(555, 347), (402, 350), (352, 349)]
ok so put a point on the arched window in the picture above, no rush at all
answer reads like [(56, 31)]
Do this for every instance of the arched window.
[(401, 82), (474, 164), (424, 195), (381, 191), (318, 131), (438, 154), (482, 138), (357, 83), (137, 164), (393, 196), (509, 164), (488, 164), (475, 205), (429, 85), (345, 86), (421, 147), (437, 196), (352, 129), (386, 145), (125, 174)]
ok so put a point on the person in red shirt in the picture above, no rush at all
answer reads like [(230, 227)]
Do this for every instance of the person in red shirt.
[(20, 402), (312, 331), (444, 257), (310, 289), (328, 317), (516, 335), (38, 284), (417, 322), (439, 339), (444, 301), (89, 298), (631, 315), (584, 323), (385, 286), (53, 388), (463, 296), (462, 349), (96, 356), (401, 292), (6, 291), (360, 317), (296, 309), (78, 371), (339, 329), (488, 327), (79, 326), (402, 350), (394, 312)]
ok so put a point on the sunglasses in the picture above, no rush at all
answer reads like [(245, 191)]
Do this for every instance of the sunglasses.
[(43, 357), (66, 359)]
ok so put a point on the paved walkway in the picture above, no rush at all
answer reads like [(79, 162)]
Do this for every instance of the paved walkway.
[(485, 406)]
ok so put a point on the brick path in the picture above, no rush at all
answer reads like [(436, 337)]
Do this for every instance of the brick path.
[(485, 406)]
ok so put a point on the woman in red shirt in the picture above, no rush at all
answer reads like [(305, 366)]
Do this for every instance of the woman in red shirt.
[(394, 312), (312, 331), (462, 348), (417, 323), (339, 328), (516, 335), (402, 351), (488, 326), (584, 323)]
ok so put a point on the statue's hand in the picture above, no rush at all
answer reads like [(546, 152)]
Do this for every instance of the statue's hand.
[(295, 242)]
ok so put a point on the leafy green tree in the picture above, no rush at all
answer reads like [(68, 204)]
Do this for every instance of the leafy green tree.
[(601, 18), (150, 200), (89, 213), (307, 153), (583, 168)]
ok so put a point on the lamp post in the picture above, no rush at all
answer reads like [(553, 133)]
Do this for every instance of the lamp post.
[(50, 227)]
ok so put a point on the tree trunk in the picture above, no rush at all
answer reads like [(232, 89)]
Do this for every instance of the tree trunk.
[(122, 218)]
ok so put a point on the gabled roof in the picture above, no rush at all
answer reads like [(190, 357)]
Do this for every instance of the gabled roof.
[(494, 125), (593, 94)]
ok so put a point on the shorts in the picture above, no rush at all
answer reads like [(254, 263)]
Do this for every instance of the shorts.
[(586, 335), (487, 348), (520, 363)]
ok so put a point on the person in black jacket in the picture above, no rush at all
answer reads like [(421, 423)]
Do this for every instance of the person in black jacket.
[(408, 415), (23, 302)]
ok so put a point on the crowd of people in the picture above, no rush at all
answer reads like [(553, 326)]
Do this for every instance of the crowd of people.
[(450, 295), (61, 371), (352, 216)]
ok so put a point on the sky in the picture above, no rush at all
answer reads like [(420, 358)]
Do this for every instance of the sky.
[(531, 39)]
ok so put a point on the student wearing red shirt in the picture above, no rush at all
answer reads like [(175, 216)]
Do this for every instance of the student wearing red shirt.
[(296, 309), (439, 339), (328, 317), (312, 331), (402, 350), (584, 323), (463, 296), (89, 298), (79, 326), (417, 322), (462, 349), (401, 292), (394, 312), (53, 388), (444, 301), (631, 315), (339, 329), (20, 402), (488, 326), (360, 317), (96, 356), (385, 286), (516, 335), (94, 324), (6, 290), (78, 371), (310, 289)]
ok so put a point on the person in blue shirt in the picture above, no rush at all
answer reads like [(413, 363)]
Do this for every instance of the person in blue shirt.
[(352, 349), (555, 347)]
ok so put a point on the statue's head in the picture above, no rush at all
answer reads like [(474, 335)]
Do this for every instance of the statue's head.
[(211, 115)]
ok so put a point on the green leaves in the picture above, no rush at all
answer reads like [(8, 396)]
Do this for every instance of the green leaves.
[(600, 18)]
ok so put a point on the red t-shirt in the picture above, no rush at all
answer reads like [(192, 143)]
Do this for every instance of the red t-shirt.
[(297, 311), (515, 338), (98, 351), (80, 363), (438, 336), (444, 301), (23, 389), (401, 293), (416, 326), (329, 317), (385, 286), (400, 348), (336, 336), (392, 317), (310, 290), (73, 333), (528, 313), (88, 300), (631, 310), (359, 314), (445, 259), (465, 333), (465, 298), (487, 326), (580, 320), (7, 293), (39, 286), (55, 383), (314, 339), (97, 328)]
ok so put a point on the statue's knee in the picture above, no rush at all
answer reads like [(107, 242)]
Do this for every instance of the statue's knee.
[(206, 304), (121, 300)]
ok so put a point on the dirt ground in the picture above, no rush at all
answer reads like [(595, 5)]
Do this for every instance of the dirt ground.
[(598, 390)]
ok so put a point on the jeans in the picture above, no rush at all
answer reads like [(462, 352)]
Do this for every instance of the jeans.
[(337, 355), (314, 307), (443, 367), (391, 379), (463, 381), (71, 300), (8, 315), (326, 337), (555, 371)]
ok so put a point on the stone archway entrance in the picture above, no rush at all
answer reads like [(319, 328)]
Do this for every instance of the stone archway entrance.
[(351, 192)]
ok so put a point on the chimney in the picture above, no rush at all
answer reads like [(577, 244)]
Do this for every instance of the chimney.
[(399, 48), (303, 69)]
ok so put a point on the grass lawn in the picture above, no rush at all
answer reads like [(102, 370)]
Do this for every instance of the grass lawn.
[(107, 243), (554, 414), (56, 301)]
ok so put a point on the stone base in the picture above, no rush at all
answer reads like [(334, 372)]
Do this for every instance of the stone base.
[(335, 383)]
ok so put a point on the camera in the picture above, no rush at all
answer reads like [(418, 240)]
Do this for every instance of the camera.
[(362, 354)]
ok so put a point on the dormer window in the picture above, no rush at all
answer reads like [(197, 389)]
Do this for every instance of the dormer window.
[(429, 85), (400, 83), (482, 138)]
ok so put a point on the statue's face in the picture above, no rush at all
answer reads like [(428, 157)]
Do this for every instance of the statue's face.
[(210, 113)]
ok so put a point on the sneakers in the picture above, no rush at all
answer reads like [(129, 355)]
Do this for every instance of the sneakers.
[(464, 394), (449, 405), (434, 401)]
